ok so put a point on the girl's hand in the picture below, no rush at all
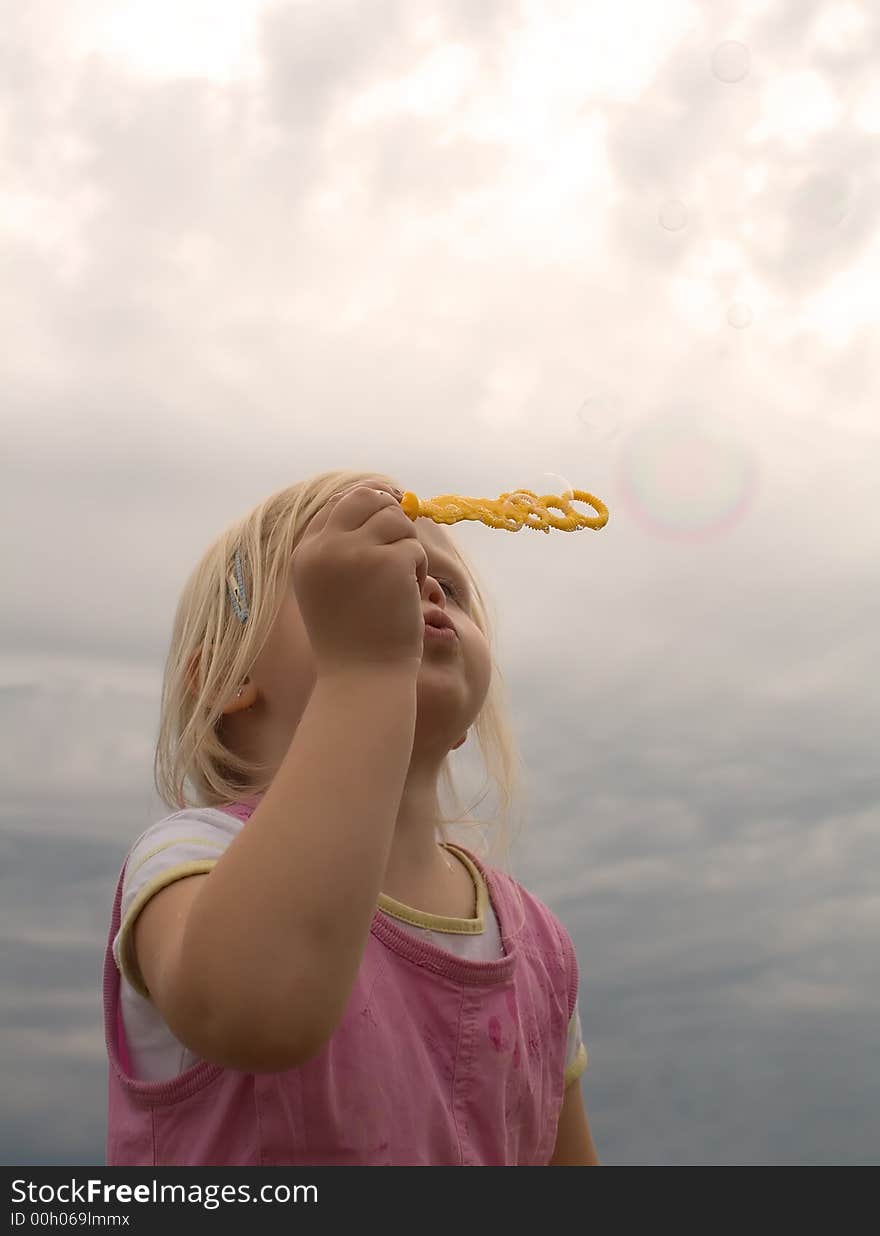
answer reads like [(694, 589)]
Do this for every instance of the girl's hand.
[(358, 574)]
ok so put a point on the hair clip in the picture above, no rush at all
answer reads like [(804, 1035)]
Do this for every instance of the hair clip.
[(512, 511), (236, 590)]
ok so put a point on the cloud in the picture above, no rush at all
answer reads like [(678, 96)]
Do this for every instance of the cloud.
[(479, 247)]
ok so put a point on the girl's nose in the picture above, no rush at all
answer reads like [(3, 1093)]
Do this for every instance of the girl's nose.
[(388, 489)]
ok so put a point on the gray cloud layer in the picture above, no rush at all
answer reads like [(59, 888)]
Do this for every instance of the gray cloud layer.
[(212, 288)]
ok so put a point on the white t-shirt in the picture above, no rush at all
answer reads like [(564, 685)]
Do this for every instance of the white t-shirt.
[(190, 842)]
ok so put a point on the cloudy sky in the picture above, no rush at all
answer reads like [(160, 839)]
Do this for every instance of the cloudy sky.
[(619, 246)]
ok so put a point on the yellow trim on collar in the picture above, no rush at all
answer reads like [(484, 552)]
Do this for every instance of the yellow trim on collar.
[(440, 922)]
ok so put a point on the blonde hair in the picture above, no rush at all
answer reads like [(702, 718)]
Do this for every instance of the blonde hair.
[(212, 652)]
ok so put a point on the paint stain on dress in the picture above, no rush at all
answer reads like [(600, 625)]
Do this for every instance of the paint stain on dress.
[(496, 1038)]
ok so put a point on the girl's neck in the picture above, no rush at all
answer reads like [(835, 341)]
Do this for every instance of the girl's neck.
[(447, 889)]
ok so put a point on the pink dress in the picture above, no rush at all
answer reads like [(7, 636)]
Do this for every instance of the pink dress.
[(438, 1060)]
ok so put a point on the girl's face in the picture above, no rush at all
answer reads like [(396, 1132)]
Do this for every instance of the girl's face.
[(453, 679)]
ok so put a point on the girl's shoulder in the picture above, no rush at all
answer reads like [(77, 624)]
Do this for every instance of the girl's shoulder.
[(187, 823), (536, 907)]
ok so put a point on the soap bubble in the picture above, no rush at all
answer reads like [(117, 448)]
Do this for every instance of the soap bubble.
[(739, 315), (822, 200), (601, 416), (673, 215), (730, 61), (566, 490)]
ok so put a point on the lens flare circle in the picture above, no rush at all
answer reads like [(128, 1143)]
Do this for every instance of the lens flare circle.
[(684, 480)]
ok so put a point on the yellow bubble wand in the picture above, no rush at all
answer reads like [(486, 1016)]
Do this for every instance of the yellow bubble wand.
[(512, 511)]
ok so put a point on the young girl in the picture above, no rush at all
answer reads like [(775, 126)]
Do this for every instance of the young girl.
[(345, 988)]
